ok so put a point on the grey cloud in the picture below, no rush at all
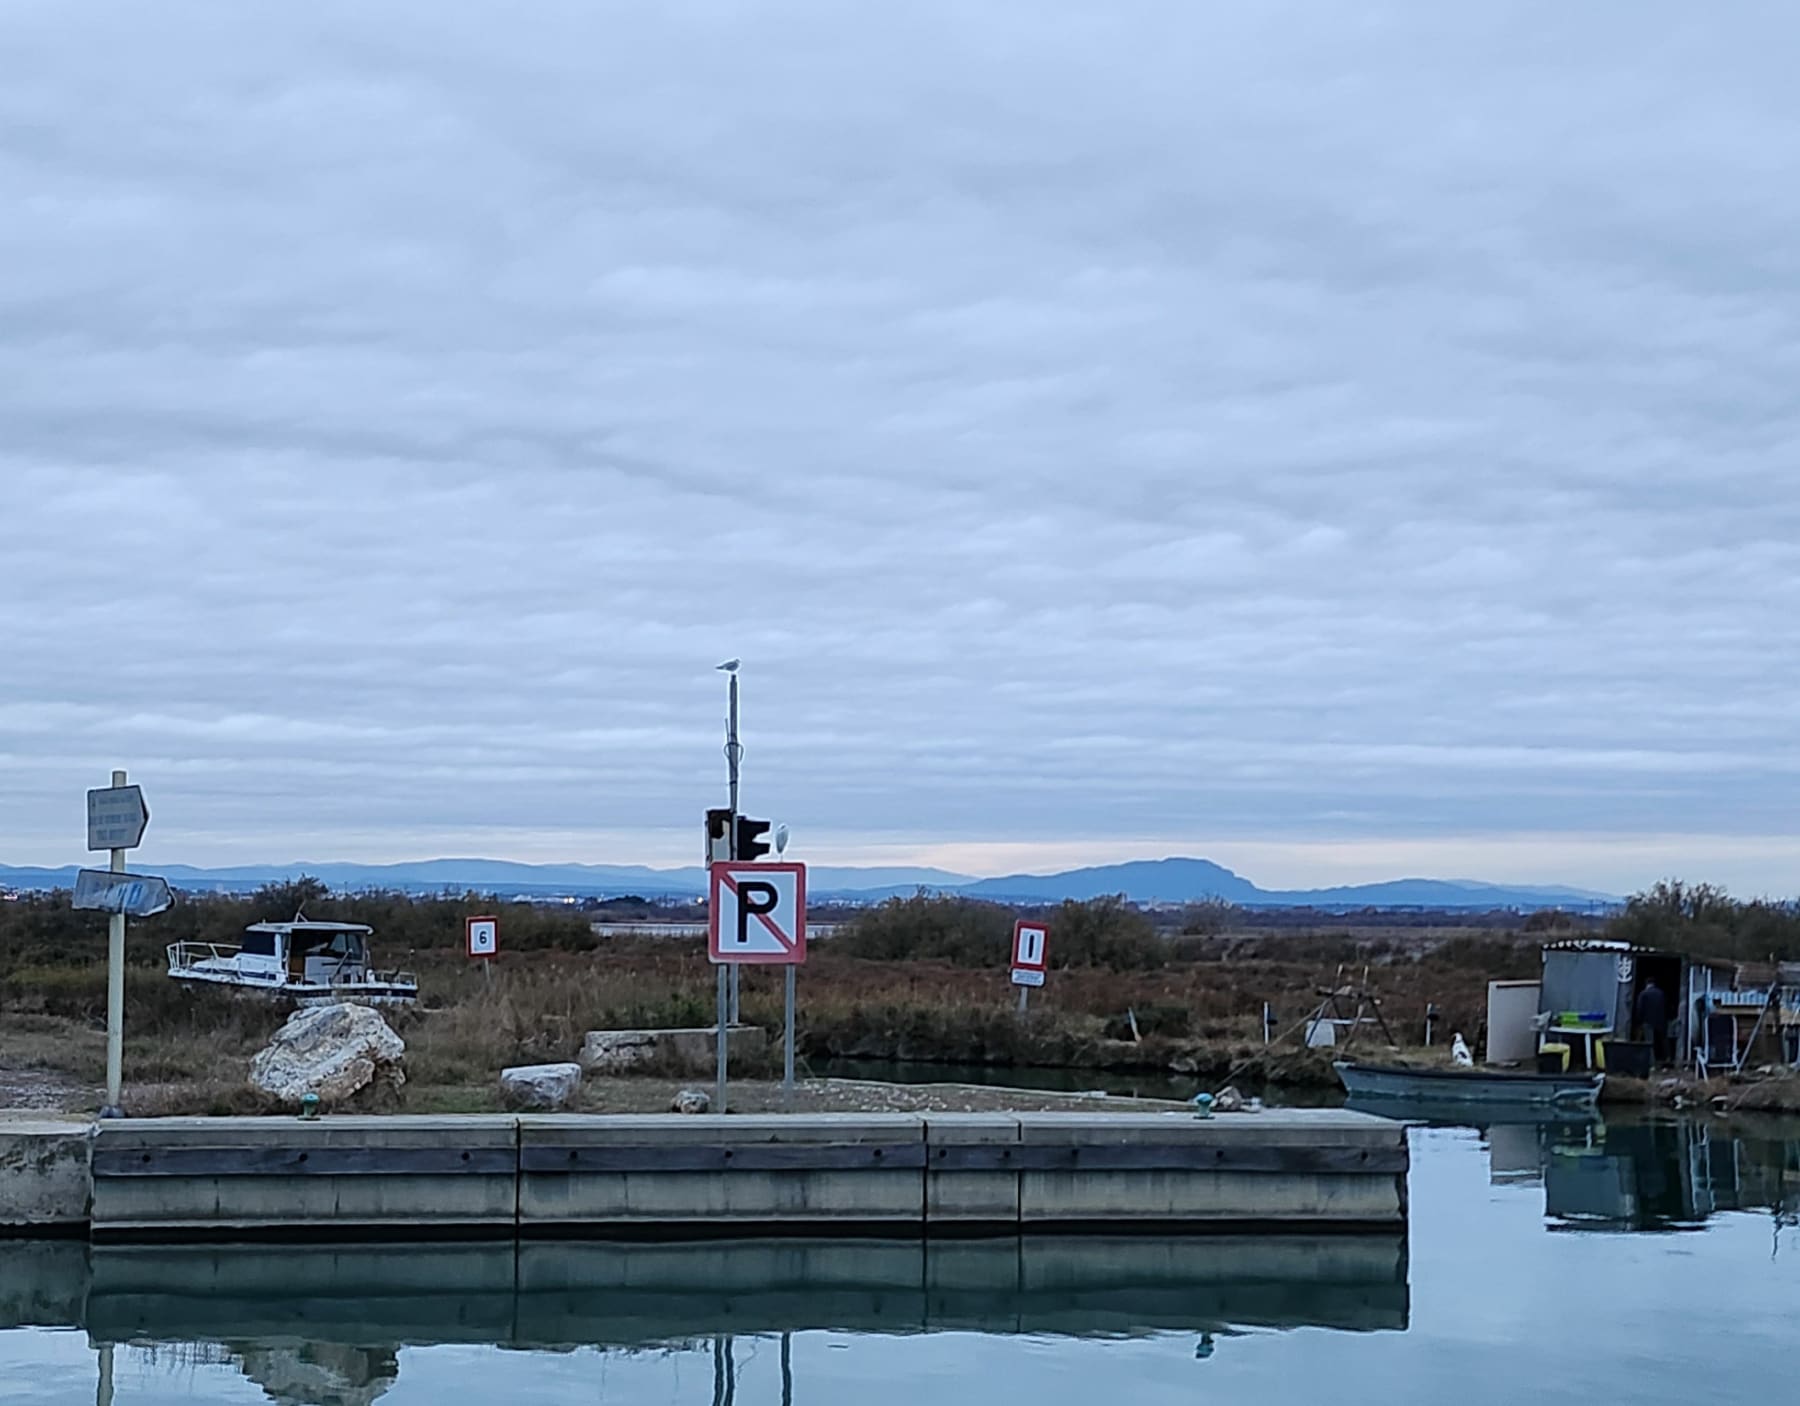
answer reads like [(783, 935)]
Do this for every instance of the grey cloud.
[(1152, 420)]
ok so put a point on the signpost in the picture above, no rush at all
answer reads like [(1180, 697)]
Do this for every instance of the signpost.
[(117, 816), (1030, 957), (134, 895), (483, 935), (756, 916)]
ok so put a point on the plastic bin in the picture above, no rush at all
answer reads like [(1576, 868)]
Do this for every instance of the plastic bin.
[(1631, 1058)]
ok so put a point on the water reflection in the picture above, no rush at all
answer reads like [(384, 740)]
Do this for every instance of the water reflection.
[(1639, 1172), (324, 1325), (1669, 1175)]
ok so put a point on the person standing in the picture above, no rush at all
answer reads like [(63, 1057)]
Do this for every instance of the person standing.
[(1652, 1011)]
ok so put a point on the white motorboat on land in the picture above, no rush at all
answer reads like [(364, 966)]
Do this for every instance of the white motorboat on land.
[(301, 961)]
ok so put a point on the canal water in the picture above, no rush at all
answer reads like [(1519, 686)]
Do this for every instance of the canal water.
[(1647, 1262)]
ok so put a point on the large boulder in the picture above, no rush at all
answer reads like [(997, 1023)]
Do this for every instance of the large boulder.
[(335, 1051), (540, 1086)]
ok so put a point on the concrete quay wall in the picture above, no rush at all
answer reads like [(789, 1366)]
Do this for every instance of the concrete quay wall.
[(46, 1179), (555, 1175)]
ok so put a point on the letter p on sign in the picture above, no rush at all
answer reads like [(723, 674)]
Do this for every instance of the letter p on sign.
[(757, 913)]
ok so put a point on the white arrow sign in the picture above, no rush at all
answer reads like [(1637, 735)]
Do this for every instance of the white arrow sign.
[(117, 816)]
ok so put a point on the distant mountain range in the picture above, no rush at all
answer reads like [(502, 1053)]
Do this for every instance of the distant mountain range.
[(1143, 881)]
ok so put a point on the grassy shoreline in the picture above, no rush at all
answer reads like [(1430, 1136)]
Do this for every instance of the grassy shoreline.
[(1198, 1016), (1196, 1000)]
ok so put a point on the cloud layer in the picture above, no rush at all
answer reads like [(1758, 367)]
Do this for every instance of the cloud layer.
[(1142, 425)]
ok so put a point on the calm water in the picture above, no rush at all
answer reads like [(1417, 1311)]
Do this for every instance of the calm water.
[(1642, 1262)]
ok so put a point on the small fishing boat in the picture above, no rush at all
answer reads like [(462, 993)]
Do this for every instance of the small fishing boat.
[(1496, 1087), (301, 961)]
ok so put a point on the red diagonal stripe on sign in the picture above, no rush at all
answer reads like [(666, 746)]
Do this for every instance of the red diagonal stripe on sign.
[(788, 944)]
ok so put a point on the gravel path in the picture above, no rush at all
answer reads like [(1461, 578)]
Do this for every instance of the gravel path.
[(857, 1096), (43, 1091)]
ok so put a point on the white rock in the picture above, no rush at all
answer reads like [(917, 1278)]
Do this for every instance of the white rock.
[(542, 1086), (691, 1101), (333, 1051)]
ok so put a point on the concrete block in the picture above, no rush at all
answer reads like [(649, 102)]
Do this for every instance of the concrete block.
[(1121, 1197), (1290, 1185), (45, 1179), (392, 1172), (972, 1197), (717, 1172), (683, 1051)]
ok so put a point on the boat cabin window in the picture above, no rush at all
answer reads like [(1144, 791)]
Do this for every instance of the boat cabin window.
[(258, 944), (337, 944)]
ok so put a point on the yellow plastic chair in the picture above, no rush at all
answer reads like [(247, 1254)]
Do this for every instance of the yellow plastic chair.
[(1556, 1047)]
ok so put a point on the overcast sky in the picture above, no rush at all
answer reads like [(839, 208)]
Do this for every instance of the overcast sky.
[(1342, 440)]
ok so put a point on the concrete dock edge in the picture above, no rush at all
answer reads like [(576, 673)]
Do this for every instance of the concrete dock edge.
[(369, 1177)]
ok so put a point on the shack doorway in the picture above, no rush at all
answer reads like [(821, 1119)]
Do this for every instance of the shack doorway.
[(1665, 971)]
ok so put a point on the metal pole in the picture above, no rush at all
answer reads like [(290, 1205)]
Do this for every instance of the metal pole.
[(787, 1369), (787, 1057), (719, 1081), (1024, 998), (103, 1385), (733, 753), (115, 993)]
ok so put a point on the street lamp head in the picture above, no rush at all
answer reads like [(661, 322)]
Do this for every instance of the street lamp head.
[(730, 666)]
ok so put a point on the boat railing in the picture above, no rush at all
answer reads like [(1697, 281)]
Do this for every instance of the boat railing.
[(183, 955), (371, 977)]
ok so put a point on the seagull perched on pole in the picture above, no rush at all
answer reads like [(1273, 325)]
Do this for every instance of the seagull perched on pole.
[(730, 666)]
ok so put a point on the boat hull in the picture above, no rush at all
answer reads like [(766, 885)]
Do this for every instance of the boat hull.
[(362, 993), (1475, 1088)]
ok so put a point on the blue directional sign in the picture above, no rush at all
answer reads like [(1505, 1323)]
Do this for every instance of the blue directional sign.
[(134, 895)]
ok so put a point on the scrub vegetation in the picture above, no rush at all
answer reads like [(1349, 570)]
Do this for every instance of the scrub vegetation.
[(919, 979)]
